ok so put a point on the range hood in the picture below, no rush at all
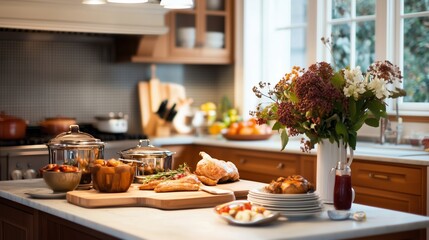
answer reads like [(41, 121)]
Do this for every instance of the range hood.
[(73, 16)]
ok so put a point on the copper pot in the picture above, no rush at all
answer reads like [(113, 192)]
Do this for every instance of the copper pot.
[(11, 128), (57, 125)]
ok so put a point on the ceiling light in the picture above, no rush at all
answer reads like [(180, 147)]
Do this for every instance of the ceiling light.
[(177, 4), (127, 1), (94, 2)]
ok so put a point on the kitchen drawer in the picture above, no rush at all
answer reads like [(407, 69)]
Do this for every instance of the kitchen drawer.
[(390, 200), (266, 163), (396, 178)]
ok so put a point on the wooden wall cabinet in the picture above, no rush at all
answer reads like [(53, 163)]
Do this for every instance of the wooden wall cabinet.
[(191, 36)]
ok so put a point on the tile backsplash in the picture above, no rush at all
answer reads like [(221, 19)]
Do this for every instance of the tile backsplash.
[(75, 75)]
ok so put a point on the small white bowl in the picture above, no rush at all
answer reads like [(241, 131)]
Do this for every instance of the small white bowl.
[(214, 44), (186, 33), (215, 36)]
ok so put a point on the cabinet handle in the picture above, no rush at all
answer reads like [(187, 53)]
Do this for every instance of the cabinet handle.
[(243, 160), (379, 176), (280, 166)]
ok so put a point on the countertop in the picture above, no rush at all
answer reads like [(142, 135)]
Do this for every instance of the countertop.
[(149, 223)]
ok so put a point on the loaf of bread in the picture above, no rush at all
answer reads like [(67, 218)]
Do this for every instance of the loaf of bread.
[(294, 184), (211, 171)]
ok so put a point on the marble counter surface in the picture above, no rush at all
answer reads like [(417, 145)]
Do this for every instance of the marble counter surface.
[(149, 223)]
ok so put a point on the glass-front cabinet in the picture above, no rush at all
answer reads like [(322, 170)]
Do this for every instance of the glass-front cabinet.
[(200, 35)]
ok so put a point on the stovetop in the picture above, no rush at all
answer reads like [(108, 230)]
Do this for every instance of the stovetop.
[(34, 135)]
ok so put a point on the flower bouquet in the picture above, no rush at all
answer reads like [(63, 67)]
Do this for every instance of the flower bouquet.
[(324, 103)]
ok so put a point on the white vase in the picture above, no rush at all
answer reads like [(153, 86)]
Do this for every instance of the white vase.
[(328, 155)]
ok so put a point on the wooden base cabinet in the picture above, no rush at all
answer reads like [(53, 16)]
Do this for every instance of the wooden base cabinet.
[(393, 186), (253, 165), (400, 187), (19, 222)]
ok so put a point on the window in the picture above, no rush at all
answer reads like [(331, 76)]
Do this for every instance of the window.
[(351, 25), (412, 17), (285, 37), (362, 31)]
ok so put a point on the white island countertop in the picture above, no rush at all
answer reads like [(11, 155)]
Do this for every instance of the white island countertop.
[(150, 223)]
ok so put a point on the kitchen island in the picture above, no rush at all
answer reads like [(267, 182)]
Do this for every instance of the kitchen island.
[(202, 223)]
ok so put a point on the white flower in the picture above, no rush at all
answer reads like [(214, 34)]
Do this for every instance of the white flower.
[(355, 84), (378, 87)]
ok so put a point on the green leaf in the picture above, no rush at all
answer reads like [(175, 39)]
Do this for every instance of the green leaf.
[(352, 109), (277, 126), (338, 80), (359, 123), (373, 122), (285, 138), (341, 130), (377, 108), (293, 97), (352, 141)]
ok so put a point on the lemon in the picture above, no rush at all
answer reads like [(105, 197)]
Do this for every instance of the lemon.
[(208, 106)]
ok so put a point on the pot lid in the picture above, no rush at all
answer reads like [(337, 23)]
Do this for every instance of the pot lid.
[(145, 149), (74, 138)]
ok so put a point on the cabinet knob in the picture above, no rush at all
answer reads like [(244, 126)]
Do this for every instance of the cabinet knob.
[(243, 160), (280, 165), (379, 176)]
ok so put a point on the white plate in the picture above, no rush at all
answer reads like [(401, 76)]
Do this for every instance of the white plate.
[(261, 192), (46, 193), (271, 218), (295, 210), (283, 203)]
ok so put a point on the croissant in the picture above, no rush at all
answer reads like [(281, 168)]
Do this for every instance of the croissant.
[(294, 184), (212, 171)]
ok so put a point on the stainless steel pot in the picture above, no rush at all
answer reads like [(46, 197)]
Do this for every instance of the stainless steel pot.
[(113, 123), (76, 148), (147, 159)]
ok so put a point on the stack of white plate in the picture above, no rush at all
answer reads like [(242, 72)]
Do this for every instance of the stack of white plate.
[(289, 205)]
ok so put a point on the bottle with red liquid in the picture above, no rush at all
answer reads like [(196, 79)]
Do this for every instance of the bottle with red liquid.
[(343, 187)]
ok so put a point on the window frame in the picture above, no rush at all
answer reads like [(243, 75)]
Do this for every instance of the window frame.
[(410, 108)]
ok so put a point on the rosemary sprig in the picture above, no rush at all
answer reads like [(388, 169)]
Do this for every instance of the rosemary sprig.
[(167, 175)]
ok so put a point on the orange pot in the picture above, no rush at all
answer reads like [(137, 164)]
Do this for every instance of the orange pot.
[(57, 125), (11, 128)]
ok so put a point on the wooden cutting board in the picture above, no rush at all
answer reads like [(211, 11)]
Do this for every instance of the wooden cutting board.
[(170, 200)]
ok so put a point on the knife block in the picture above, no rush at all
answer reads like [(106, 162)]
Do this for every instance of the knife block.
[(163, 128)]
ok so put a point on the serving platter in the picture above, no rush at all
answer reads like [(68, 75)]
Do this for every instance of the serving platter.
[(253, 137), (261, 221)]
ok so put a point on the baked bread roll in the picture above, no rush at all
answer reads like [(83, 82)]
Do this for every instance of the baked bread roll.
[(188, 183), (294, 184), (212, 171)]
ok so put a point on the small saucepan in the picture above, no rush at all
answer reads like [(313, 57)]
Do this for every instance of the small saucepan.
[(56, 125), (112, 123), (11, 128)]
